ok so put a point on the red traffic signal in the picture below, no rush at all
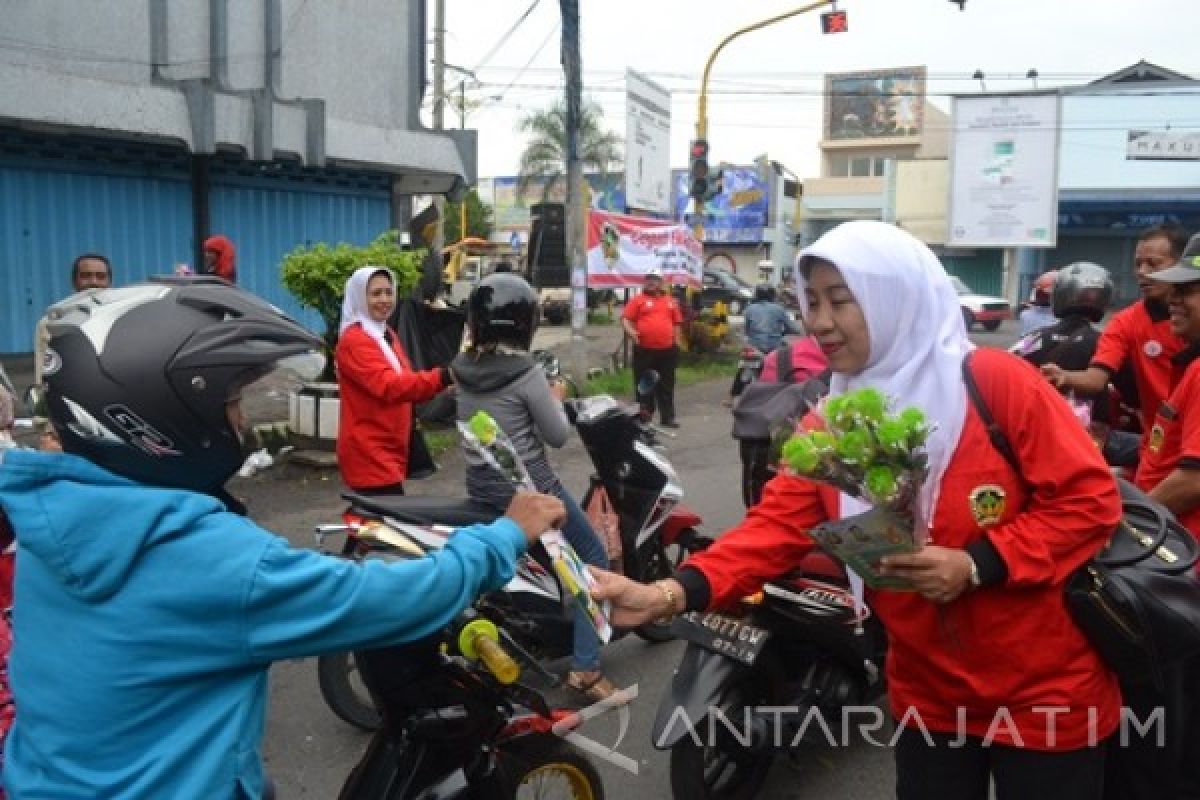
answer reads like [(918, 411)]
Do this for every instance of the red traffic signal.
[(835, 22), (700, 149)]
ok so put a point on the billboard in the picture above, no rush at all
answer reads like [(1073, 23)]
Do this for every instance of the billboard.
[(1004, 171), (510, 210), (647, 144), (620, 249), (738, 213), (876, 104)]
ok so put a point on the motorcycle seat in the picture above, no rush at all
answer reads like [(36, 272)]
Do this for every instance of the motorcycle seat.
[(452, 511)]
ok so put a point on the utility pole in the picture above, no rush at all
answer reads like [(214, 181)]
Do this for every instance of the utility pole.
[(575, 214), (439, 106)]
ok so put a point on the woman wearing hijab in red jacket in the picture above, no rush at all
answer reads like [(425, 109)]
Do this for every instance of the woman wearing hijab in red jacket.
[(983, 652), (220, 258), (378, 387)]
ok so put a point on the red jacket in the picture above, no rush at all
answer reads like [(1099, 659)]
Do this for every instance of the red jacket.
[(376, 409), (1010, 646)]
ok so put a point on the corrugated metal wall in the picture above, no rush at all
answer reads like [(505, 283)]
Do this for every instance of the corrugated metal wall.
[(267, 216), (983, 271), (55, 205)]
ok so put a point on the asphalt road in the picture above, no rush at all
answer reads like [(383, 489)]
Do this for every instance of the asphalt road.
[(309, 752)]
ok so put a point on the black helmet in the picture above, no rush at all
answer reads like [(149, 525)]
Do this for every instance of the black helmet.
[(764, 293), (502, 309), (137, 379), (1082, 288)]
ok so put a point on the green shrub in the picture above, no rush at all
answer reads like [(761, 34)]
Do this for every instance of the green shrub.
[(316, 276)]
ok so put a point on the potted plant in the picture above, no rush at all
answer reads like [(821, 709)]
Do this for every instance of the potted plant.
[(316, 276)]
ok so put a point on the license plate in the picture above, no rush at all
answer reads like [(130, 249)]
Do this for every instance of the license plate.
[(730, 637), (744, 364)]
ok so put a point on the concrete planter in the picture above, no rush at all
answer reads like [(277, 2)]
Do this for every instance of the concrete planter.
[(313, 415)]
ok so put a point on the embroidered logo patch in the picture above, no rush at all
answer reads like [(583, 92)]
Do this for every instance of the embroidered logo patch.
[(987, 504), (1157, 434)]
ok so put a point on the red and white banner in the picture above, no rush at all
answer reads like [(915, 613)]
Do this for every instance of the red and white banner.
[(620, 249)]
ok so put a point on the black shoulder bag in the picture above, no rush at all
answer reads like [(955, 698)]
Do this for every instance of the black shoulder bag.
[(1138, 599)]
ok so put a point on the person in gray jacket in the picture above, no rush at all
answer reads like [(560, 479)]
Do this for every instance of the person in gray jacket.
[(498, 375)]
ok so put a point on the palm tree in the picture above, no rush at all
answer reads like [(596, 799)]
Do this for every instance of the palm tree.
[(545, 156)]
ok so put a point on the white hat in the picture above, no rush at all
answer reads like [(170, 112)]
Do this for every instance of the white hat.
[(653, 272)]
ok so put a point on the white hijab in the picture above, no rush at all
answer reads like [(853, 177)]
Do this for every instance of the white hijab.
[(354, 310), (918, 339)]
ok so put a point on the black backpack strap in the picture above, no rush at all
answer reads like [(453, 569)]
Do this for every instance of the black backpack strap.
[(784, 367), (999, 440)]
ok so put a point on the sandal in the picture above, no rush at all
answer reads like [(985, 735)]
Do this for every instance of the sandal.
[(592, 684)]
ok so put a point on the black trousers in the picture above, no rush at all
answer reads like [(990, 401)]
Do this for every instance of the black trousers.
[(1142, 768), (663, 397), (945, 772)]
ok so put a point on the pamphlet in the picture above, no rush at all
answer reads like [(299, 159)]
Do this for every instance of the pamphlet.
[(577, 582), (862, 540)]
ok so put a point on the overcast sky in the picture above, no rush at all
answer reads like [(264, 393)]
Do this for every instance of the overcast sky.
[(765, 89)]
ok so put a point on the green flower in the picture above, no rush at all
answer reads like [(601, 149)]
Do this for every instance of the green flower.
[(855, 447), (838, 412), (916, 425), (881, 482), (869, 404), (800, 453), (893, 436), (824, 442), (484, 427)]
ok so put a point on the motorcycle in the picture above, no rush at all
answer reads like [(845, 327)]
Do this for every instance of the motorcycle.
[(456, 721), (749, 368), (753, 678), (656, 533)]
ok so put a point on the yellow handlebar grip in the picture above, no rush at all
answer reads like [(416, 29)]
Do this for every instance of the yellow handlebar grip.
[(479, 640)]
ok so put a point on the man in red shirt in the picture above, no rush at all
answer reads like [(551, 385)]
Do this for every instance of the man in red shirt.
[(653, 321), (1170, 472), (1139, 335)]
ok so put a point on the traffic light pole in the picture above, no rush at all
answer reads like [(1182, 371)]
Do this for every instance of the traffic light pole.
[(702, 110)]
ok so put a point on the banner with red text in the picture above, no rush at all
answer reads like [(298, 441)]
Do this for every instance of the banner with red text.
[(620, 249)]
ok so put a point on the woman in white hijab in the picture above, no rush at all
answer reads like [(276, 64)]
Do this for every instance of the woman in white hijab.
[(377, 387), (983, 650)]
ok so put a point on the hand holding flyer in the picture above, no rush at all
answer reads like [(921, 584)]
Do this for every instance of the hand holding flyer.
[(482, 435)]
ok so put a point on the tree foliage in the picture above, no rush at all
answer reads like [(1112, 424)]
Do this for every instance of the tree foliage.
[(316, 276), (479, 218), (545, 156)]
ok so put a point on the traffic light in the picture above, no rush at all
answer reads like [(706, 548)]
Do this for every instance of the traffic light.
[(698, 170), (835, 22)]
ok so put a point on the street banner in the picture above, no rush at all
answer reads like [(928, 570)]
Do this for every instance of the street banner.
[(1004, 171), (647, 144), (620, 249)]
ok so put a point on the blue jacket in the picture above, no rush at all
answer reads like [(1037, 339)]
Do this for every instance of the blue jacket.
[(766, 324), (145, 620)]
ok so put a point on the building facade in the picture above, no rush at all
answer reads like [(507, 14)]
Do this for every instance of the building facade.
[(136, 128)]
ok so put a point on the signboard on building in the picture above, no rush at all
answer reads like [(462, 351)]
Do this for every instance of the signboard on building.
[(647, 144), (1004, 171), (620, 249), (738, 213), (878, 104), (1162, 146)]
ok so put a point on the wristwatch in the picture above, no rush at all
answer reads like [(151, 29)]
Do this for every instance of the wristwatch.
[(974, 579)]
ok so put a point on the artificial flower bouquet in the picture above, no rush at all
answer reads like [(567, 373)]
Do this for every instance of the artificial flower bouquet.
[(482, 435), (876, 456)]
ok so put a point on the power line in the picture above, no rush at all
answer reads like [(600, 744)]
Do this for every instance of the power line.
[(496, 48)]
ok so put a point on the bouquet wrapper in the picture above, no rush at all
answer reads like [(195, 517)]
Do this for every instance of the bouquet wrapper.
[(500, 454), (860, 541)]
